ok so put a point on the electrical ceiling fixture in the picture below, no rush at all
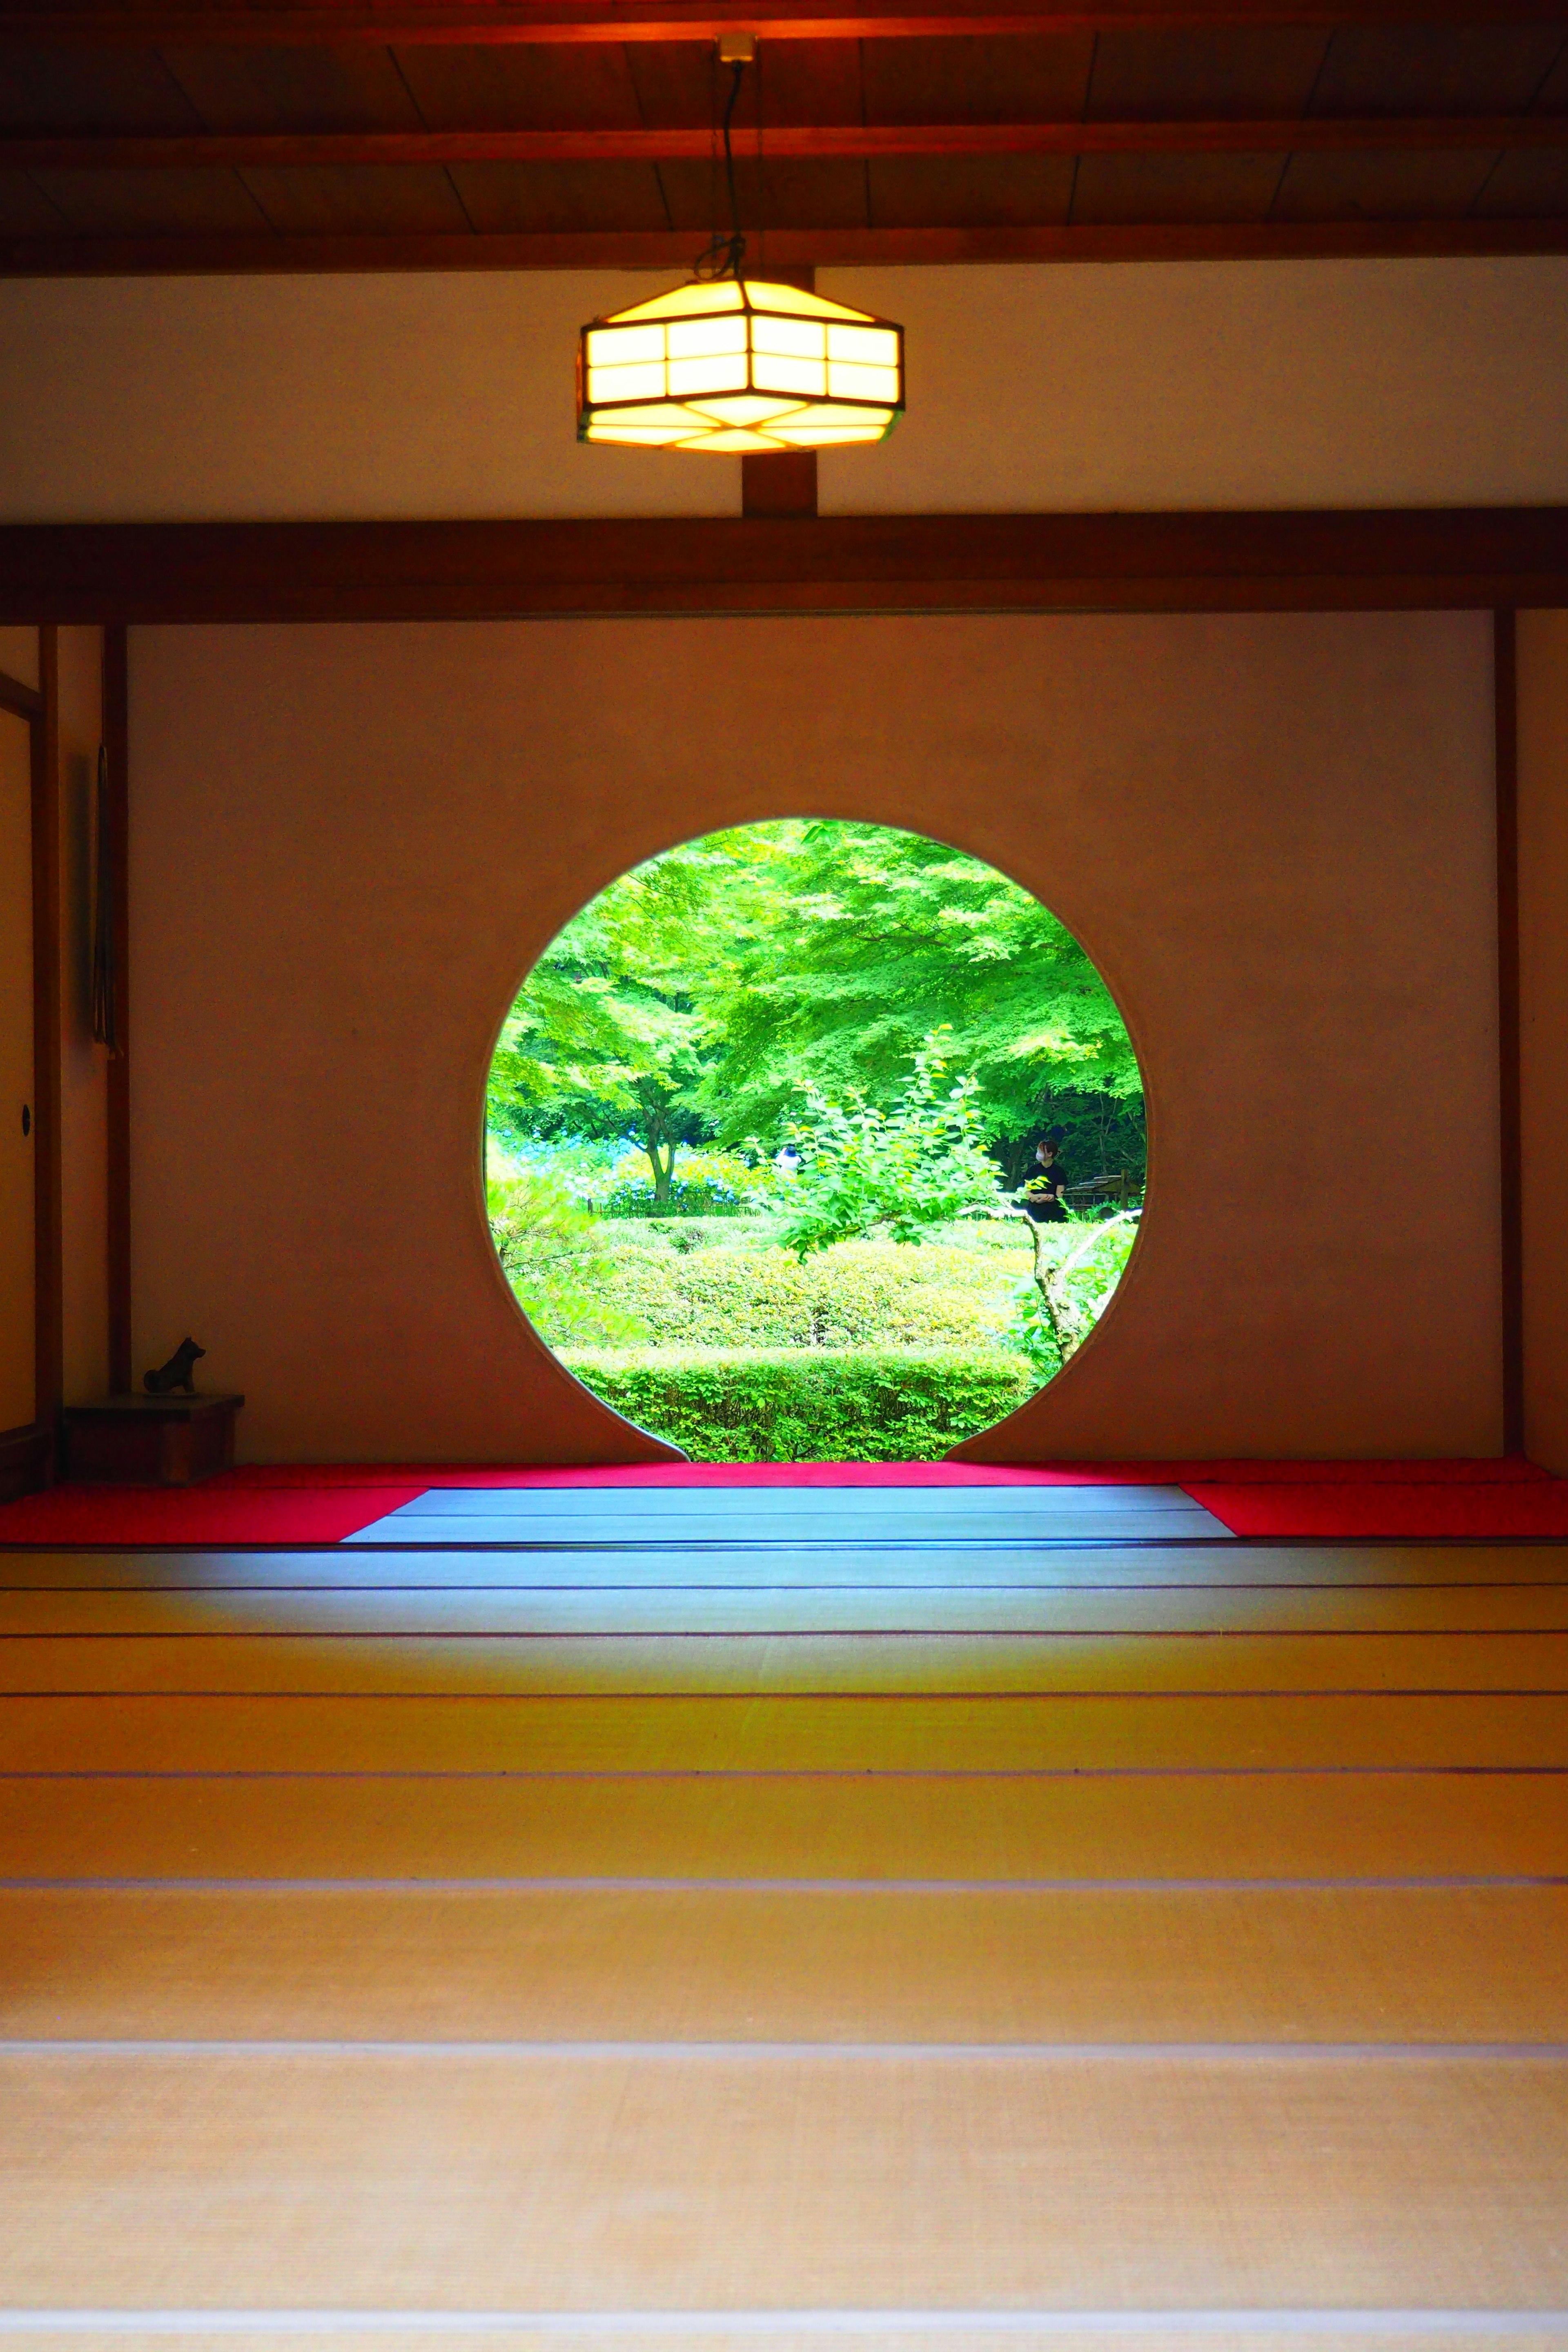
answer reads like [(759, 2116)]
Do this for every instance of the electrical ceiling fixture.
[(738, 364)]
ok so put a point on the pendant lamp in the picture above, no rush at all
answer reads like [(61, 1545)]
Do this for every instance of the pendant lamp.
[(735, 363), (738, 364)]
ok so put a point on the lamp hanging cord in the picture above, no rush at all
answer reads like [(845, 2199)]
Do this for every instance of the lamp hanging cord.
[(723, 257)]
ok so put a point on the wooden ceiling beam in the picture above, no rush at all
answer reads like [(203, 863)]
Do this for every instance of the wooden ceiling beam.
[(1423, 559), (253, 151), (221, 23), (260, 254)]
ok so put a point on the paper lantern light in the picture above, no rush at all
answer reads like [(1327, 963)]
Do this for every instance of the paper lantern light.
[(736, 365)]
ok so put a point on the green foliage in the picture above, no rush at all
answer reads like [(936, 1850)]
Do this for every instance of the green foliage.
[(911, 1169), (606, 1035), (711, 1184), (869, 1293), (552, 1252), (704, 995), (1084, 1260), (849, 944), (778, 980), (793, 1405)]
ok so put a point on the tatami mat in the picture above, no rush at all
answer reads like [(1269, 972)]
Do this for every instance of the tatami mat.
[(637, 2177), (396, 1612), (955, 1515), (1227, 1826), (1318, 2328), (802, 1664), (856, 1936), (826, 1566), (476, 1732), (584, 1963)]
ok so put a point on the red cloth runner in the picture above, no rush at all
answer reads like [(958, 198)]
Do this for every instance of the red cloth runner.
[(321, 1503)]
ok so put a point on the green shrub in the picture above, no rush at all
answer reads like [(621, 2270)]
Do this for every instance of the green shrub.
[(857, 1294), (553, 1253), (704, 1184), (825, 1404), (1094, 1255)]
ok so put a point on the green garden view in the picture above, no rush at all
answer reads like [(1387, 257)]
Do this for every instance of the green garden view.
[(761, 1134)]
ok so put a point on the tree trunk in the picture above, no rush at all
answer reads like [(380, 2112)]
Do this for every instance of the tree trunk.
[(663, 1168), (1059, 1311), (1070, 1325)]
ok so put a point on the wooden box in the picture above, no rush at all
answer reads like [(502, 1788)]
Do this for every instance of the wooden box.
[(150, 1441)]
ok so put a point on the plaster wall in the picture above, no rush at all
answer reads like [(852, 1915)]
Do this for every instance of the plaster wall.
[(1543, 1027), (1212, 385), (19, 654), (1273, 833)]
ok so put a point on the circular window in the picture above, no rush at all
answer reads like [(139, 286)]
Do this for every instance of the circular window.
[(815, 1141)]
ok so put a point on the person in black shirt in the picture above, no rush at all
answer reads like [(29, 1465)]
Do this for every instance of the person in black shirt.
[(1045, 1188)]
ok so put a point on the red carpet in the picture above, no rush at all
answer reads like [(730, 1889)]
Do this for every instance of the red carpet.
[(321, 1503)]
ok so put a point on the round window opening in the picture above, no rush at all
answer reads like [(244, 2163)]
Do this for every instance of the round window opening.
[(815, 1141)]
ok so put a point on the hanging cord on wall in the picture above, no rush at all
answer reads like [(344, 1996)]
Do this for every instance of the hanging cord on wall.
[(723, 257)]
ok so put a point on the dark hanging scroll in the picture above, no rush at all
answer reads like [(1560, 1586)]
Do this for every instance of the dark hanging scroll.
[(105, 1011)]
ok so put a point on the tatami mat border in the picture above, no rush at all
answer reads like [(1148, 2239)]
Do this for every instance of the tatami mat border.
[(677, 2325), (1451, 1884), (784, 2054)]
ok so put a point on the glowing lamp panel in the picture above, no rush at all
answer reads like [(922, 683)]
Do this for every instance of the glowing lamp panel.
[(732, 367)]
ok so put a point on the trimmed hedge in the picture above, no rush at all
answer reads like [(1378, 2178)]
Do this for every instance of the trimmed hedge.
[(855, 1294), (818, 1404)]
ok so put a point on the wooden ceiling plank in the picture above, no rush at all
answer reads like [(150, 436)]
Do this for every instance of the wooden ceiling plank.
[(507, 23), (1202, 76), (1323, 136), (677, 83), (71, 91), (808, 82), (791, 196), (1174, 187), (174, 205), (1551, 98), (518, 200), (1022, 192), (388, 200), (1425, 70), (1031, 79), (108, 253), (1524, 185), (25, 210), (1391, 186), (522, 89), (311, 90)]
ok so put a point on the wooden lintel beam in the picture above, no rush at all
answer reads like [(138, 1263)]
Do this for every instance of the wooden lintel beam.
[(552, 21), (287, 150), (1411, 559), (259, 254)]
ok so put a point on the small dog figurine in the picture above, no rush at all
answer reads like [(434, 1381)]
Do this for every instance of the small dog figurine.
[(175, 1373)]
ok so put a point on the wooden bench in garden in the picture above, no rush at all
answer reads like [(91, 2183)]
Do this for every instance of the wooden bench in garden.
[(1099, 1192)]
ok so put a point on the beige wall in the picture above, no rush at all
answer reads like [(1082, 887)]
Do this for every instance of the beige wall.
[(19, 654), (1244, 384), (1543, 1027), (1273, 833), (83, 1065), (1031, 387)]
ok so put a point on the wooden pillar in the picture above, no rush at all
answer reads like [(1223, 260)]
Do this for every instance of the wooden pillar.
[(49, 1316), (783, 483), (1505, 681), (116, 738)]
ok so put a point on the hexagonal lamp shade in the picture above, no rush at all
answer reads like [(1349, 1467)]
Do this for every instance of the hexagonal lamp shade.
[(735, 365)]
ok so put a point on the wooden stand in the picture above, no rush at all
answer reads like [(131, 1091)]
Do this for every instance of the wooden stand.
[(150, 1441)]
